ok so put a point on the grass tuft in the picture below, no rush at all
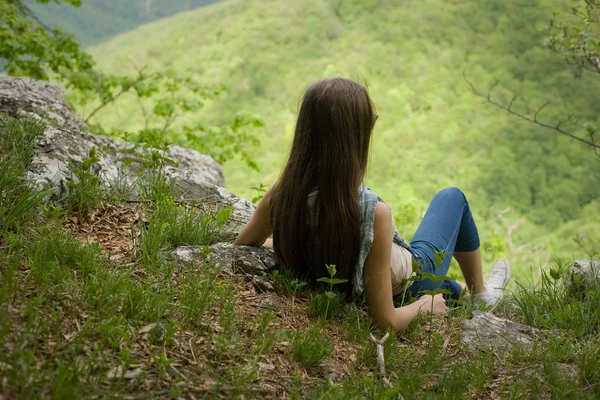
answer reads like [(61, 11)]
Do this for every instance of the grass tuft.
[(311, 347)]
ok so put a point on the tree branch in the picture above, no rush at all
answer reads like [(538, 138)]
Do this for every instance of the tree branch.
[(26, 11), (124, 89), (592, 143)]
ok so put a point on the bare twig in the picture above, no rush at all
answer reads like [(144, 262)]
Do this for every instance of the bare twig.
[(592, 7), (380, 357), (105, 101), (535, 120), (144, 112), (512, 252)]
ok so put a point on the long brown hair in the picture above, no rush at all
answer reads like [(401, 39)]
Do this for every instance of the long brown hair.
[(329, 153)]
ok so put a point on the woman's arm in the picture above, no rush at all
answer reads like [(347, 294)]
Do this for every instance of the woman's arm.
[(258, 229), (378, 280)]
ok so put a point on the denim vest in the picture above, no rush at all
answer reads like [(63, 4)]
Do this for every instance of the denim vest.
[(368, 203)]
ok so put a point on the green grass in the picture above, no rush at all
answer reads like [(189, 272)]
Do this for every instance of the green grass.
[(310, 348), (19, 196)]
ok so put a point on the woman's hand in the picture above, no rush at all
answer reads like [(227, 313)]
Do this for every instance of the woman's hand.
[(439, 304)]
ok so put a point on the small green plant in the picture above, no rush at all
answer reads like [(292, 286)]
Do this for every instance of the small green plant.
[(162, 362), (85, 187), (162, 333), (150, 243), (326, 305), (53, 212), (296, 284), (310, 348), (260, 192), (283, 279), (421, 275)]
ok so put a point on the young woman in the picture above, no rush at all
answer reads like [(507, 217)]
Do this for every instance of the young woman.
[(320, 213)]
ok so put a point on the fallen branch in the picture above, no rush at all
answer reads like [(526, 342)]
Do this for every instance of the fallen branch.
[(380, 358)]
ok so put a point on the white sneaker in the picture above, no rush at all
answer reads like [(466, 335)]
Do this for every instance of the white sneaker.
[(494, 287)]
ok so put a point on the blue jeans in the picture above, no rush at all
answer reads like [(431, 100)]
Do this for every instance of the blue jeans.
[(448, 225)]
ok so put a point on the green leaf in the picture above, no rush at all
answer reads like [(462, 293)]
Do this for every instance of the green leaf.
[(331, 269), (336, 281), (439, 256), (416, 265), (555, 274), (224, 214), (440, 278)]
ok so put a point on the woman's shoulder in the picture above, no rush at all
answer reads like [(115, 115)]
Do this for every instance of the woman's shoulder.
[(382, 211)]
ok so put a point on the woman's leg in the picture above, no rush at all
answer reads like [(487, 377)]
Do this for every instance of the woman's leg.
[(472, 270), (448, 226)]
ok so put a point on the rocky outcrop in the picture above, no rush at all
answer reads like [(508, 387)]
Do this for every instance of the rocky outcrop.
[(67, 140)]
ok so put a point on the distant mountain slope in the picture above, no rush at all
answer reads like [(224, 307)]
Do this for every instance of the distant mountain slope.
[(98, 20), (432, 131)]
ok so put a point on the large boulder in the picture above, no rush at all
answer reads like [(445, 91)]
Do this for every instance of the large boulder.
[(67, 140)]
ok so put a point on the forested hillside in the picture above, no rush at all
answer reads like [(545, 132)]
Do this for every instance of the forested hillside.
[(97, 20), (432, 131)]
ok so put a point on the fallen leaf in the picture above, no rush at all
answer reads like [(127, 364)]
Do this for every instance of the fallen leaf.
[(132, 374), (147, 328), (115, 372)]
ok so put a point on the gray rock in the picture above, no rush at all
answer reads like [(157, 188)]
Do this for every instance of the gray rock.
[(65, 138), (485, 331), (580, 276), (252, 262), (249, 260)]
